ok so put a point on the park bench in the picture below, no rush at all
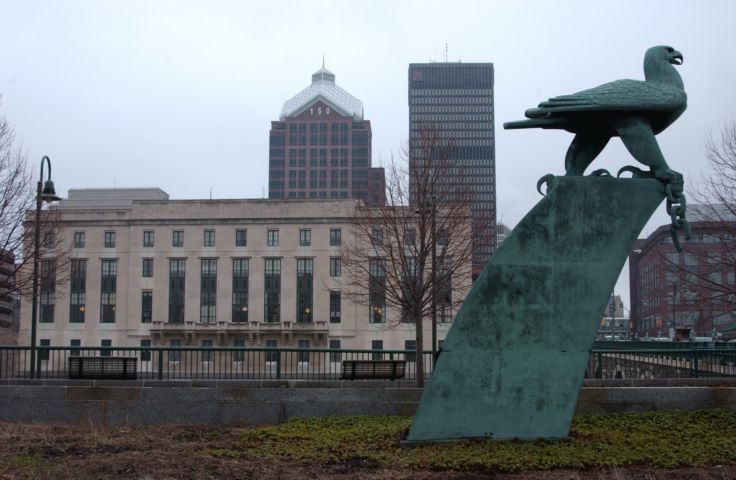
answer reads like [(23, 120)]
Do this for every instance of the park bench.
[(103, 368), (373, 369)]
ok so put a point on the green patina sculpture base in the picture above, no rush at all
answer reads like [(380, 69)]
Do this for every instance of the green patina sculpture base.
[(514, 359)]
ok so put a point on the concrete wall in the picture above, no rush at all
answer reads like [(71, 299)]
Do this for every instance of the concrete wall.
[(271, 402)]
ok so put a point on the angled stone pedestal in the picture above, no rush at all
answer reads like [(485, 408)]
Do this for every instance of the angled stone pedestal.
[(514, 359)]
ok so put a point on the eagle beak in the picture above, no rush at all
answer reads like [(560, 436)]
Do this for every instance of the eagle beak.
[(676, 58)]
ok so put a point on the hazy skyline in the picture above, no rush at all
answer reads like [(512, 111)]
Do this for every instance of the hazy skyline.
[(180, 95)]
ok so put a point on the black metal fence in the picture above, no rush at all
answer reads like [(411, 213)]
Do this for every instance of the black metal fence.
[(183, 363), (617, 360)]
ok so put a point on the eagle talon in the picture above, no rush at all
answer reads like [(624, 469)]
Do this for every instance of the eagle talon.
[(601, 172), (635, 172), (548, 180)]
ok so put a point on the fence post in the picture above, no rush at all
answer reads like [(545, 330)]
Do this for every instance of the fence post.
[(160, 364), (694, 363), (599, 367), (38, 363), (278, 364)]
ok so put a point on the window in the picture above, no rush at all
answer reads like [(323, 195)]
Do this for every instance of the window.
[(238, 343), (208, 291), (272, 291), (335, 237), (335, 267), (376, 237), (272, 238), (240, 290), (148, 238), (410, 237), (335, 306), (206, 354), (43, 354), (410, 345), (105, 352), (377, 345), (272, 356), (108, 288), (109, 239), (335, 357), (145, 354), (78, 239), (177, 276), (376, 291), (47, 282), (49, 239), (177, 238), (303, 354), (74, 342), (175, 355), (77, 291), (305, 237), (209, 238), (442, 237), (147, 267), (304, 289), (241, 237), (146, 306)]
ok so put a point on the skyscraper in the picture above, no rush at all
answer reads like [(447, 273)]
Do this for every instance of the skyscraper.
[(321, 146), (457, 100)]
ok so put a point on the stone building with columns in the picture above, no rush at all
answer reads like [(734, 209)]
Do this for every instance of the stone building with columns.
[(146, 270)]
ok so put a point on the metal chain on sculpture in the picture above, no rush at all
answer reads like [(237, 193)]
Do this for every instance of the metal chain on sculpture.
[(676, 207)]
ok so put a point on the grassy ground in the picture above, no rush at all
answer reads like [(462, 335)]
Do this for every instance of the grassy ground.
[(648, 446)]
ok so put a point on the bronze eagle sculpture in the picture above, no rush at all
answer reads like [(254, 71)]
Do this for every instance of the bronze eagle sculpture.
[(633, 110)]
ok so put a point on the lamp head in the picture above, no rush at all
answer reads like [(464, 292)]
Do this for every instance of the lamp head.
[(48, 194)]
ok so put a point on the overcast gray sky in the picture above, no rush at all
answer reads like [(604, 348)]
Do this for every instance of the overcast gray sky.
[(180, 94)]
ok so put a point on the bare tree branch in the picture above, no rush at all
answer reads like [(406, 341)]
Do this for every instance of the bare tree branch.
[(17, 221), (389, 263)]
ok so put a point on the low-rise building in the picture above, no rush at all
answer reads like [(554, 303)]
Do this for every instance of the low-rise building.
[(692, 290), (146, 270)]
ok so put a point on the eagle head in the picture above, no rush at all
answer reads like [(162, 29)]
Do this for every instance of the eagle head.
[(658, 63), (663, 53)]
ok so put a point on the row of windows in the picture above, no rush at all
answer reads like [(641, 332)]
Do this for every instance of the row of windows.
[(451, 109), (422, 99), (452, 92), (237, 356), (449, 117), (241, 238), (177, 279), (318, 134), (457, 129)]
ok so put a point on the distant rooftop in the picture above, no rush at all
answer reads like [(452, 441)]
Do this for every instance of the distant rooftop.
[(718, 212), (323, 87), (109, 198)]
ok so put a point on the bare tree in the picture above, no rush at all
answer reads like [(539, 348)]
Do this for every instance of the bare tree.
[(411, 257), (701, 281), (17, 224)]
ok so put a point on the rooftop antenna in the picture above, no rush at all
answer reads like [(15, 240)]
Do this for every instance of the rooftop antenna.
[(210, 192), (445, 53), (323, 61)]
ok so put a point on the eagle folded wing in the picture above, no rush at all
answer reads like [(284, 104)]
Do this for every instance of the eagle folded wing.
[(620, 95)]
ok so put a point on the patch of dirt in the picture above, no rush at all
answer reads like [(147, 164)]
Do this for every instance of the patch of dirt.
[(181, 452)]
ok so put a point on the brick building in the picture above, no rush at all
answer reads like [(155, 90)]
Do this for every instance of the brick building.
[(320, 148), (688, 290)]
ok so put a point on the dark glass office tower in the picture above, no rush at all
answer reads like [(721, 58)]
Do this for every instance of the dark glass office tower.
[(321, 146), (457, 99)]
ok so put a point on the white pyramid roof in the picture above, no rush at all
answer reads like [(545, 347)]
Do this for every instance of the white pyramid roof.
[(323, 87)]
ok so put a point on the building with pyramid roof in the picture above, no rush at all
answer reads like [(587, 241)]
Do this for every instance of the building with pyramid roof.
[(321, 146)]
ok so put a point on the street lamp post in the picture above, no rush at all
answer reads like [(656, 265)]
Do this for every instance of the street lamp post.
[(44, 193)]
